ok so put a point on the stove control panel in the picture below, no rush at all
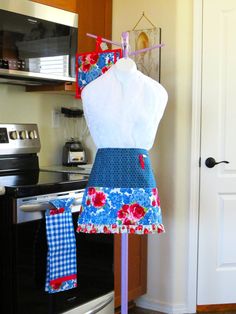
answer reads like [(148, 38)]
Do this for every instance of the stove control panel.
[(19, 139)]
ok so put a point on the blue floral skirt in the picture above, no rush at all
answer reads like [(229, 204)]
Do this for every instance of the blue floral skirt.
[(121, 195)]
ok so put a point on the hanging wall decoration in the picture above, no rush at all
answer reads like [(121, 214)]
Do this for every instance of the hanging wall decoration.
[(148, 62)]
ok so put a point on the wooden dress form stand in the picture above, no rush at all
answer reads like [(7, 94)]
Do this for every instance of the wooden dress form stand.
[(124, 236)]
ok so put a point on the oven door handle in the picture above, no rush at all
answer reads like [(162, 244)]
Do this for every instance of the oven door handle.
[(100, 306), (42, 206)]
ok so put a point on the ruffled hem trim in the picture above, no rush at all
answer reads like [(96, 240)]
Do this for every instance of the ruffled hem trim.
[(57, 285), (130, 229)]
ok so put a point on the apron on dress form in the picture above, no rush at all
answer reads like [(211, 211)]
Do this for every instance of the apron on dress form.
[(121, 195)]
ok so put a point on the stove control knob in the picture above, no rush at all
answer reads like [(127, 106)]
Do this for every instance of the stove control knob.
[(13, 135), (31, 135), (22, 135)]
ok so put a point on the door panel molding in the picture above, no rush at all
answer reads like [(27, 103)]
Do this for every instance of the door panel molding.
[(195, 155)]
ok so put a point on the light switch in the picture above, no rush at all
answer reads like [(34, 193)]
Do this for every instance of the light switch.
[(56, 118)]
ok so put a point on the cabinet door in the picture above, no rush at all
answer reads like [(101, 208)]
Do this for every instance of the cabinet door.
[(137, 281), (95, 17), (68, 5)]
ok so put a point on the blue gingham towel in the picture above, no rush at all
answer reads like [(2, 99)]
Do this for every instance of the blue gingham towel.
[(61, 257)]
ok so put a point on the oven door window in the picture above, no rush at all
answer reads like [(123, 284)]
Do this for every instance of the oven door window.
[(95, 270)]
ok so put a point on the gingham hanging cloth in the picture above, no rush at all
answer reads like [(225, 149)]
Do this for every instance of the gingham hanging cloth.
[(61, 258)]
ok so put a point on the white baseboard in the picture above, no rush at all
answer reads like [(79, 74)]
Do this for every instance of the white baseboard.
[(155, 305)]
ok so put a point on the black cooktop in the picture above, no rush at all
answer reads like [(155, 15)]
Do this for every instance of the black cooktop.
[(38, 182)]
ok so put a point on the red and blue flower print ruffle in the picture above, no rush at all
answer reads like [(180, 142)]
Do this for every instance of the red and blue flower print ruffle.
[(120, 210)]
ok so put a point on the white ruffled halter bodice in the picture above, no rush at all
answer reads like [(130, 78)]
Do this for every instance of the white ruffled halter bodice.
[(123, 107)]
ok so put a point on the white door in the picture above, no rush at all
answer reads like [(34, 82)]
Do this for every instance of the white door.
[(217, 228)]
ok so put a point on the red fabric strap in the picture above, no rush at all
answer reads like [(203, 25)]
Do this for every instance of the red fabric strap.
[(56, 211), (98, 43), (141, 161), (62, 279)]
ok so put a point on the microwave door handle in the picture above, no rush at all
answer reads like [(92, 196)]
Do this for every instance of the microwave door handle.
[(100, 306), (42, 206)]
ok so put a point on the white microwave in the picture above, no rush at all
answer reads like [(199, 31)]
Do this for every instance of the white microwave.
[(38, 43)]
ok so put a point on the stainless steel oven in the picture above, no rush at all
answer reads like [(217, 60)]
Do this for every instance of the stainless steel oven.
[(26, 193)]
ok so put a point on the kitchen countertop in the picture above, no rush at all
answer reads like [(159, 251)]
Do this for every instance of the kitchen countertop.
[(82, 169)]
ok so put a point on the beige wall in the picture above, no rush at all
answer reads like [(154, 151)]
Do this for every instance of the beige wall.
[(167, 269), (18, 106)]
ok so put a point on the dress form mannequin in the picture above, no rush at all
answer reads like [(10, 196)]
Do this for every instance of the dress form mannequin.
[(137, 101), (123, 108)]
